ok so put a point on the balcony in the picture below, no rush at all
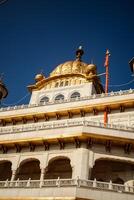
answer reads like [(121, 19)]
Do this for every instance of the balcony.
[(90, 189)]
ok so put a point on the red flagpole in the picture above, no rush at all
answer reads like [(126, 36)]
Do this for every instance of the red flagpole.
[(106, 64)]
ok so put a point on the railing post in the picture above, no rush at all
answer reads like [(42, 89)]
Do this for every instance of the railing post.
[(6, 183), (126, 187), (84, 122), (58, 182), (110, 185), (52, 125), (78, 181), (13, 177), (94, 183), (28, 182), (17, 183), (67, 123)]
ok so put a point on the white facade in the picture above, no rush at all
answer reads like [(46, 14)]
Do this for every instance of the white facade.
[(86, 89), (61, 149)]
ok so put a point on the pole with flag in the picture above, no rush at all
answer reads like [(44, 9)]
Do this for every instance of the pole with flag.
[(106, 65)]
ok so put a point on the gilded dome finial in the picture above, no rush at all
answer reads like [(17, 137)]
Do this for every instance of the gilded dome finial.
[(79, 53)]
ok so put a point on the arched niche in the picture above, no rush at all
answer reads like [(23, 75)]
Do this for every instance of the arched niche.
[(29, 169), (5, 170), (116, 171), (58, 167)]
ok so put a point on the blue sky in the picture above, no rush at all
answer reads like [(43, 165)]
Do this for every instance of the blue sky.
[(38, 35)]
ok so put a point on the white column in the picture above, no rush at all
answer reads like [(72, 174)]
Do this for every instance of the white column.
[(13, 174), (91, 163), (42, 176), (43, 165), (80, 163)]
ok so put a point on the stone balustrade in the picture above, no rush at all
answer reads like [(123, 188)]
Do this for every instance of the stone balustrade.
[(92, 184), (94, 96), (62, 124)]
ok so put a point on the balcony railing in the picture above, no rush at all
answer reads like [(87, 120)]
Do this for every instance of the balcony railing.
[(63, 124), (94, 96), (92, 184)]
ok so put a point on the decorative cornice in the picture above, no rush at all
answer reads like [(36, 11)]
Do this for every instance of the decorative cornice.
[(74, 110), (115, 133)]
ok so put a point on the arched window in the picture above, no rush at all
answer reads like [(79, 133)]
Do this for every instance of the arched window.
[(66, 83), (61, 84), (59, 97), (75, 95), (56, 84), (44, 99)]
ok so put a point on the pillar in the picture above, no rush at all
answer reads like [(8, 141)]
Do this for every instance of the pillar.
[(13, 174), (42, 176), (80, 164), (43, 165), (91, 163)]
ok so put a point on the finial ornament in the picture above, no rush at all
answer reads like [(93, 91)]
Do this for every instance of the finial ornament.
[(108, 52), (79, 53)]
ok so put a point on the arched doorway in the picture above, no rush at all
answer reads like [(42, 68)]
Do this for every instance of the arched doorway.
[(5, 170), (59, 167), (116, 171), (29, 169)]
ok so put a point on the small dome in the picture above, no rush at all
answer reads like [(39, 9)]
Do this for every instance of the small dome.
[(39, 77), (90, 67)]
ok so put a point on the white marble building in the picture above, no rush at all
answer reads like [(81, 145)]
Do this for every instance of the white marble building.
[(57, 146)]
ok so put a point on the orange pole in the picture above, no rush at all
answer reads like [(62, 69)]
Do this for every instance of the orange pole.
[(106, 84), (107, 76)]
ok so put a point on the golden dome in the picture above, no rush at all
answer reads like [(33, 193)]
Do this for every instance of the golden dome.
[(70, 67), (69, 73), (39, 77)]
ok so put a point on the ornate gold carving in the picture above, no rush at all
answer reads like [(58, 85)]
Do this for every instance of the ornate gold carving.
[(70, 67), (71, 70)]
